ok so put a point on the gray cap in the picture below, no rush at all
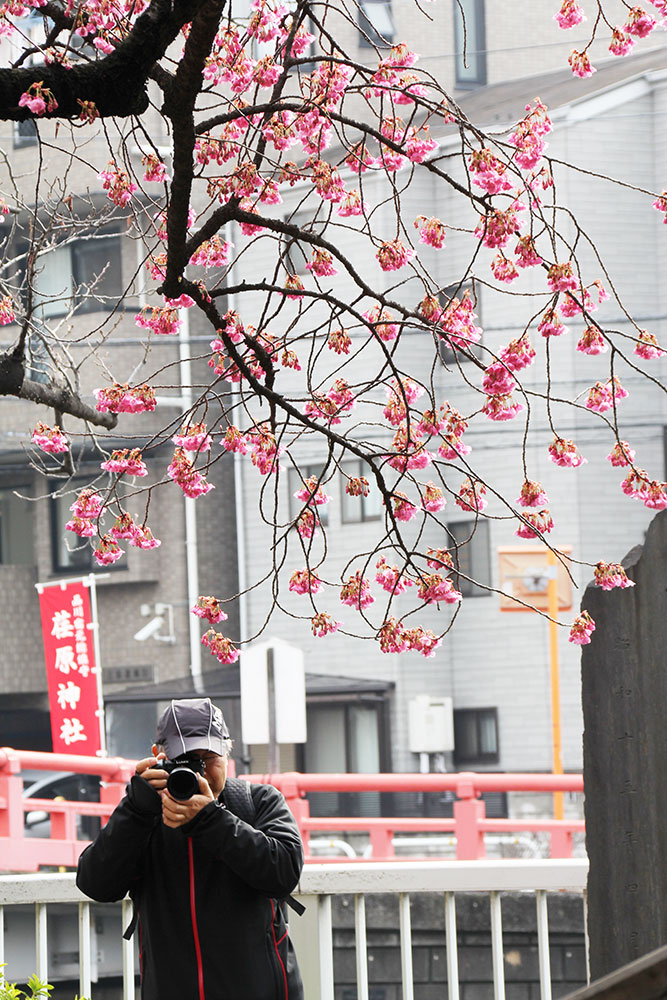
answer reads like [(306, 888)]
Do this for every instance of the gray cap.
[(192, 724)]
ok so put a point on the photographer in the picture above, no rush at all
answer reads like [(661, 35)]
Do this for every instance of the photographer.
[(208, 886)]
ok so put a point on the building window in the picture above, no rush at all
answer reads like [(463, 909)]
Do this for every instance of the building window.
[(376, 24), (344, 738), (469, 544), (16, 528), (70, 552), (476, 735), (84, 273), (448, 354), (295, 480), (470, 43), (25, 133), (356, 509)]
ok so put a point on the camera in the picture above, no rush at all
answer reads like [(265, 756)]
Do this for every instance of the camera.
[(182, 781)]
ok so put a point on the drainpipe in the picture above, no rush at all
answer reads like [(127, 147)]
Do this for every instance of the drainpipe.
[(191, 558)]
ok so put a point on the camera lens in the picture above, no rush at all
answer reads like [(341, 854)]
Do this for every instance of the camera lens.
[(182, 783)]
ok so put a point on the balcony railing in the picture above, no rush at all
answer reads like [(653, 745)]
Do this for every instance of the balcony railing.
[(312, 933), (469, 825)]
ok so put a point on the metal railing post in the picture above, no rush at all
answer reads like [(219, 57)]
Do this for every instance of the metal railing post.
[(325, 928)]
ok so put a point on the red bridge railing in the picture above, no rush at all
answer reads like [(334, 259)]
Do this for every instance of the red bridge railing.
[(468, 824)]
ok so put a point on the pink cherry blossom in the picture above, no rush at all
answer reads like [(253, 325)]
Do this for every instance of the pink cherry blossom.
[(639, 23), (351, 204), (38, 99), (610, 575), (560, 278), (439, 559), (50, 439), (220, 646), (433, 500), (526, 254), (356, 591), (404, 509), (143, 539), (582, 629), (393, 255), (321, 263), (357, 486), (647, 346), (592, 341), (457, 324), (550, 325), (621, 454), (498, 381), (339, 341), (303, 581), (123, 399), (563, 452), (193, 438), (532, 494), (127, 461), (431, 231), (569, 15), (123, 527), (621, 43), (108, 551), (80, 526), (655, 495), (391, 637), (212, 253), (117, 184), (88, 505), (421, 640), (635, 484), (539, 523), (518, 354), (234, 440), (504, 269), (390, 578), (471, 496), (323, 624), (311, 492), (381, 322), (436, 589), (488, 172), (192, 482), (154, 168), (580, 64), (501, 408), (496, 229), (660, 204), (6, 310), (308, 522), (528, 136), (599, 398)]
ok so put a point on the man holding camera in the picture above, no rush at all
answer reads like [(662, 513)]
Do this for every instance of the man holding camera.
[(209, 864)]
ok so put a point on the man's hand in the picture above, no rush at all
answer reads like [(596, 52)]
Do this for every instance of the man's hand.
[(156, 778), (177, 813)]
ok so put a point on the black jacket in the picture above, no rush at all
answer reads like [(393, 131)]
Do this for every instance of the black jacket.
[(211, 923)]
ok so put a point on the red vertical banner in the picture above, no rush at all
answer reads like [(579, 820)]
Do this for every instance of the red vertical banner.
[(71, 671)]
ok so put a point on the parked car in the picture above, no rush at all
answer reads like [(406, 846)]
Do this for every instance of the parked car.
[(65, 785)]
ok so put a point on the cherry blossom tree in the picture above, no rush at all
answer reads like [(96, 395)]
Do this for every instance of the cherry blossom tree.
[(229, 118)]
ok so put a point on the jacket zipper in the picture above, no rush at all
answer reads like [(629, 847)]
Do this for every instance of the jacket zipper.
[(193, 914)]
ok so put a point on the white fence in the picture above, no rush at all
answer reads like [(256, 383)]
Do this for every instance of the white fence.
[(60, 953)]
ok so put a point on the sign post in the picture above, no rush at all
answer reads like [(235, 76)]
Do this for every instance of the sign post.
[(533, 579), (273, 697), (68, 611)]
